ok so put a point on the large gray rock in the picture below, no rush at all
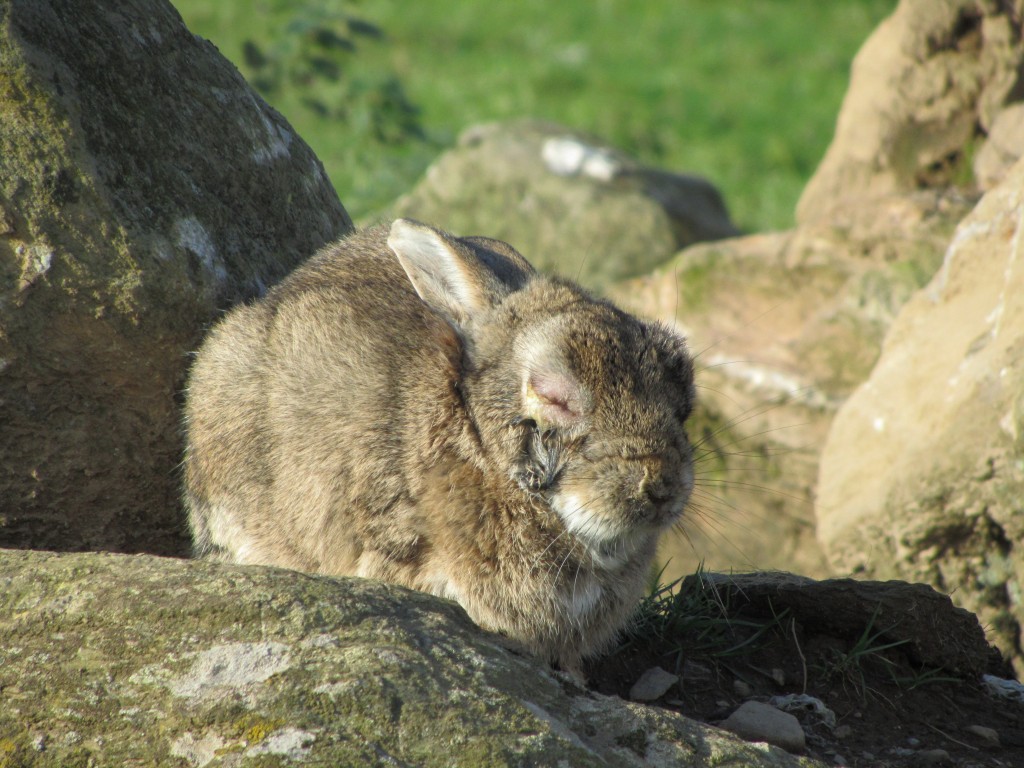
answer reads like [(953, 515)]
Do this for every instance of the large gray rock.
[(924, 90), (570, 203), (138, 660), (143, 186), (784, 326), (922, 476)]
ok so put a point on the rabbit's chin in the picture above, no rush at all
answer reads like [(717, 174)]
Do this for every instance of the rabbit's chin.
[(610, 543)]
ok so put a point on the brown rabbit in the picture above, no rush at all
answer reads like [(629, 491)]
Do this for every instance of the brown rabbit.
[(428, 410)]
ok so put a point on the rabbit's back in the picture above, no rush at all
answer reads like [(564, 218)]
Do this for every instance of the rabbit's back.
[(298, 408)]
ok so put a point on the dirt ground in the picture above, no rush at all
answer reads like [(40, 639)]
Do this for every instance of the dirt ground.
[(896, 665)]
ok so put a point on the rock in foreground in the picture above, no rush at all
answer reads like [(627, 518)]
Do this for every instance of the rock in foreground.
[(124, 660)]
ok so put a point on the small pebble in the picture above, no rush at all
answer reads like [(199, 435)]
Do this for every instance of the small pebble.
[(842, 732), (838, 759), (742, 689), (929, 757), (988, 736), (913, 742), (779, 677), (652, 685), (694, 671), (755, 721)]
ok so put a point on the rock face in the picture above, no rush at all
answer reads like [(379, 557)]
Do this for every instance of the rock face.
[(1005, 144), (925, 90), (922, 476), (143, 186), (124, 660), (784, 327), (923, 623), (568, 202)]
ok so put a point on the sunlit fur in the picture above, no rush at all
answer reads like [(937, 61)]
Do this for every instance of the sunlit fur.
[(369, 417)]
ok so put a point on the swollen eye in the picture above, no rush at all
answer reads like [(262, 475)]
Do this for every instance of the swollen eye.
[(558, 407), (553, 398)]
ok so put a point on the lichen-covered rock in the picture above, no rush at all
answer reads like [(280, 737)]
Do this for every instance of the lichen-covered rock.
[(922, 476), (567, 201), (784, 326), (924, 90), (138, 660), (143, 186)]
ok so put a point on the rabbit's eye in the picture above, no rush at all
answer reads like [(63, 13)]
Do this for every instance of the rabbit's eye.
[(553, 399)]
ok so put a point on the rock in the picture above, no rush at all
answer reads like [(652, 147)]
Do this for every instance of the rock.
[(923, 471), (144, 186), (928, 757), (809, 706), (932, 632), (923, 90), (567, 201), (755, 721), (122, 660), (1002, 688), (652, 685), (784, 326), (742, 688), (989, 736), (1002, 148)]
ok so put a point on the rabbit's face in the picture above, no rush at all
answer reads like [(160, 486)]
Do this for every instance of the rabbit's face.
[(580, 404), (603, 399)]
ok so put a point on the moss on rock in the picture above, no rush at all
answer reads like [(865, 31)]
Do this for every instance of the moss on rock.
[(121, 660)]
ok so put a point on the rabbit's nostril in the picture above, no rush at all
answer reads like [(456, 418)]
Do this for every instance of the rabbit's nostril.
[(658, 492), (654, 487)]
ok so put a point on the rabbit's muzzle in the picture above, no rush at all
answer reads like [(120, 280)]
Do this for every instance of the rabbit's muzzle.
[(602, 497)]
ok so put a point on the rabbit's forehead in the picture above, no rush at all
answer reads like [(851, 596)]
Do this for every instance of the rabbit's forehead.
[(613, 356)]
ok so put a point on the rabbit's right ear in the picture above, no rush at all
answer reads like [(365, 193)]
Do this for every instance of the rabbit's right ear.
[(447, 273)]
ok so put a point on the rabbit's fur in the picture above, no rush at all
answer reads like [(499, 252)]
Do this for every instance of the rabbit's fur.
[(428, 410)]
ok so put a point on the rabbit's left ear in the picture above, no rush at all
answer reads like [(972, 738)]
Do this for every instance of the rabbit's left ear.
[(447, 273)]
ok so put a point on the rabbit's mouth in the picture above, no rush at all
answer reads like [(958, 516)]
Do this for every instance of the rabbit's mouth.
[(608, 539)]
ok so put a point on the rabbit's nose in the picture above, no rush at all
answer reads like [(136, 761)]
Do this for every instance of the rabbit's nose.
[(653, 485)]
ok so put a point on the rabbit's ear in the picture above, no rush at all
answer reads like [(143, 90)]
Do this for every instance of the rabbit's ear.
[(447, 273)]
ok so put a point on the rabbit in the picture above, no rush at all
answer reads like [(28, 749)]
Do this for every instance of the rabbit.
[(429, 410)]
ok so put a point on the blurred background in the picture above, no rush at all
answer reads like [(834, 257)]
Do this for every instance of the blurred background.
[(744, 94)]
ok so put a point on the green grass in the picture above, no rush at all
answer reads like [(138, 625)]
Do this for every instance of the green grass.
[(743, 92), (689, 616)]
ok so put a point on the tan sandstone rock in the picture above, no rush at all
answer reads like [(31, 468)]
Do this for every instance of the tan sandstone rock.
[(784, 326), (143, 186), (922, 476), (924, 90), (1002, 148), (570, 203)]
